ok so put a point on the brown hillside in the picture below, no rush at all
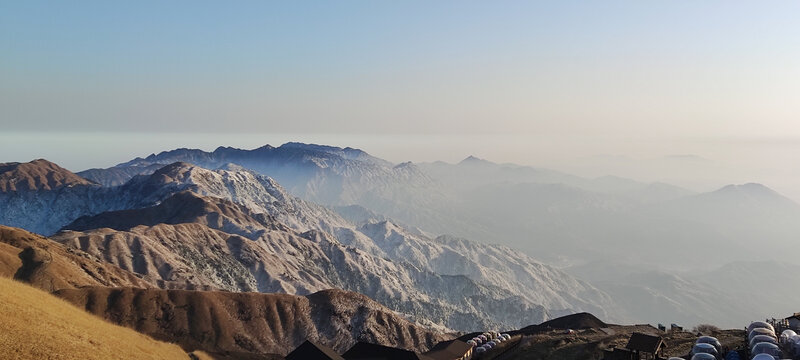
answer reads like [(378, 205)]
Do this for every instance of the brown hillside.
[(573, 321), (252, 322), (181, 208), (37, 325), (36, 175), (50, 266)]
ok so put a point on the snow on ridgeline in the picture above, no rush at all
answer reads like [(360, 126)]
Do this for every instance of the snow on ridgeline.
[(409, 272)]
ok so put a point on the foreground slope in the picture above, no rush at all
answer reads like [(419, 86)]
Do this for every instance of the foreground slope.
[(37, 325), (253, 323)]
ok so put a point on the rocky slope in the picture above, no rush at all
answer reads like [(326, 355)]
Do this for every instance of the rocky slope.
[(278, 259), (252, 323)]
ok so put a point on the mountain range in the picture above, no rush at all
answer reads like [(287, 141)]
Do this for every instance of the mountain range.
[(189, 227), (555, 217), (223, 220), (225, 324)]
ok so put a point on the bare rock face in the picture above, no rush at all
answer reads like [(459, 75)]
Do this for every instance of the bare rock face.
[(223, 322)]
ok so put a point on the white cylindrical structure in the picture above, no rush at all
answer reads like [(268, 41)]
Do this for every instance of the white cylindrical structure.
[(703, 356), (759, 324), (711, 341), (786, 337), (760, 331), (767, 348), (763, 357), (762, 338), (704, 349)]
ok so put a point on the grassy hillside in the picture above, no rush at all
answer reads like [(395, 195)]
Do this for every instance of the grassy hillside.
[(37, 325), (239, 325)]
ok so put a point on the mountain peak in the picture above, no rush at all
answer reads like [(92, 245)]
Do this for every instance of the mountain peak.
[(749, 188), (407, 164), (752, 194), (473, 160), (38, 174), (173, 167)]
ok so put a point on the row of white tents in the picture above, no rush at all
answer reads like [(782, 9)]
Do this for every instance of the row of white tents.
[(487, 341), (762, 342)]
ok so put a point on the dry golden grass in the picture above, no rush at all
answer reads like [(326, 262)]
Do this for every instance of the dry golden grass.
[(37, 325)]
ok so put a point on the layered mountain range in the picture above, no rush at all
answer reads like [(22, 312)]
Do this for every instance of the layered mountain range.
[(225, 324), (223, 220), (185, 226), (556, 217)]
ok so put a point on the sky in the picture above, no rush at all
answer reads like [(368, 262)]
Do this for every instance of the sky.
[(551, 83)]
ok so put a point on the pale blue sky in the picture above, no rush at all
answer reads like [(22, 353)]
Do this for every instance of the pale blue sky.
[(690, 68), (549, 80)]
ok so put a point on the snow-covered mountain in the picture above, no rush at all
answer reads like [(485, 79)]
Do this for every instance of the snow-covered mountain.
[(240, 231), (555, 217), (438, 198), (41, 196), (322, 174)]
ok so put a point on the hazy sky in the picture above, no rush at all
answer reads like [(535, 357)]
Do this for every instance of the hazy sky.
[(550, 79)]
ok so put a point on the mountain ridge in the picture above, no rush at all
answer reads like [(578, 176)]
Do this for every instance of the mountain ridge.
[(35, 175)]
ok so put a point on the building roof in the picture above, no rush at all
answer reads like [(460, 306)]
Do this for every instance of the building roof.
[(645, 343), (618, 354), (448, 350), (309, 350), (794, 316), (367, 351)]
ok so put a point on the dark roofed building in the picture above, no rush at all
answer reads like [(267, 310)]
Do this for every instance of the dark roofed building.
[(793, 321), (367, 351), (312, 351), (450, 350), (618, 354), (646, 346)]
